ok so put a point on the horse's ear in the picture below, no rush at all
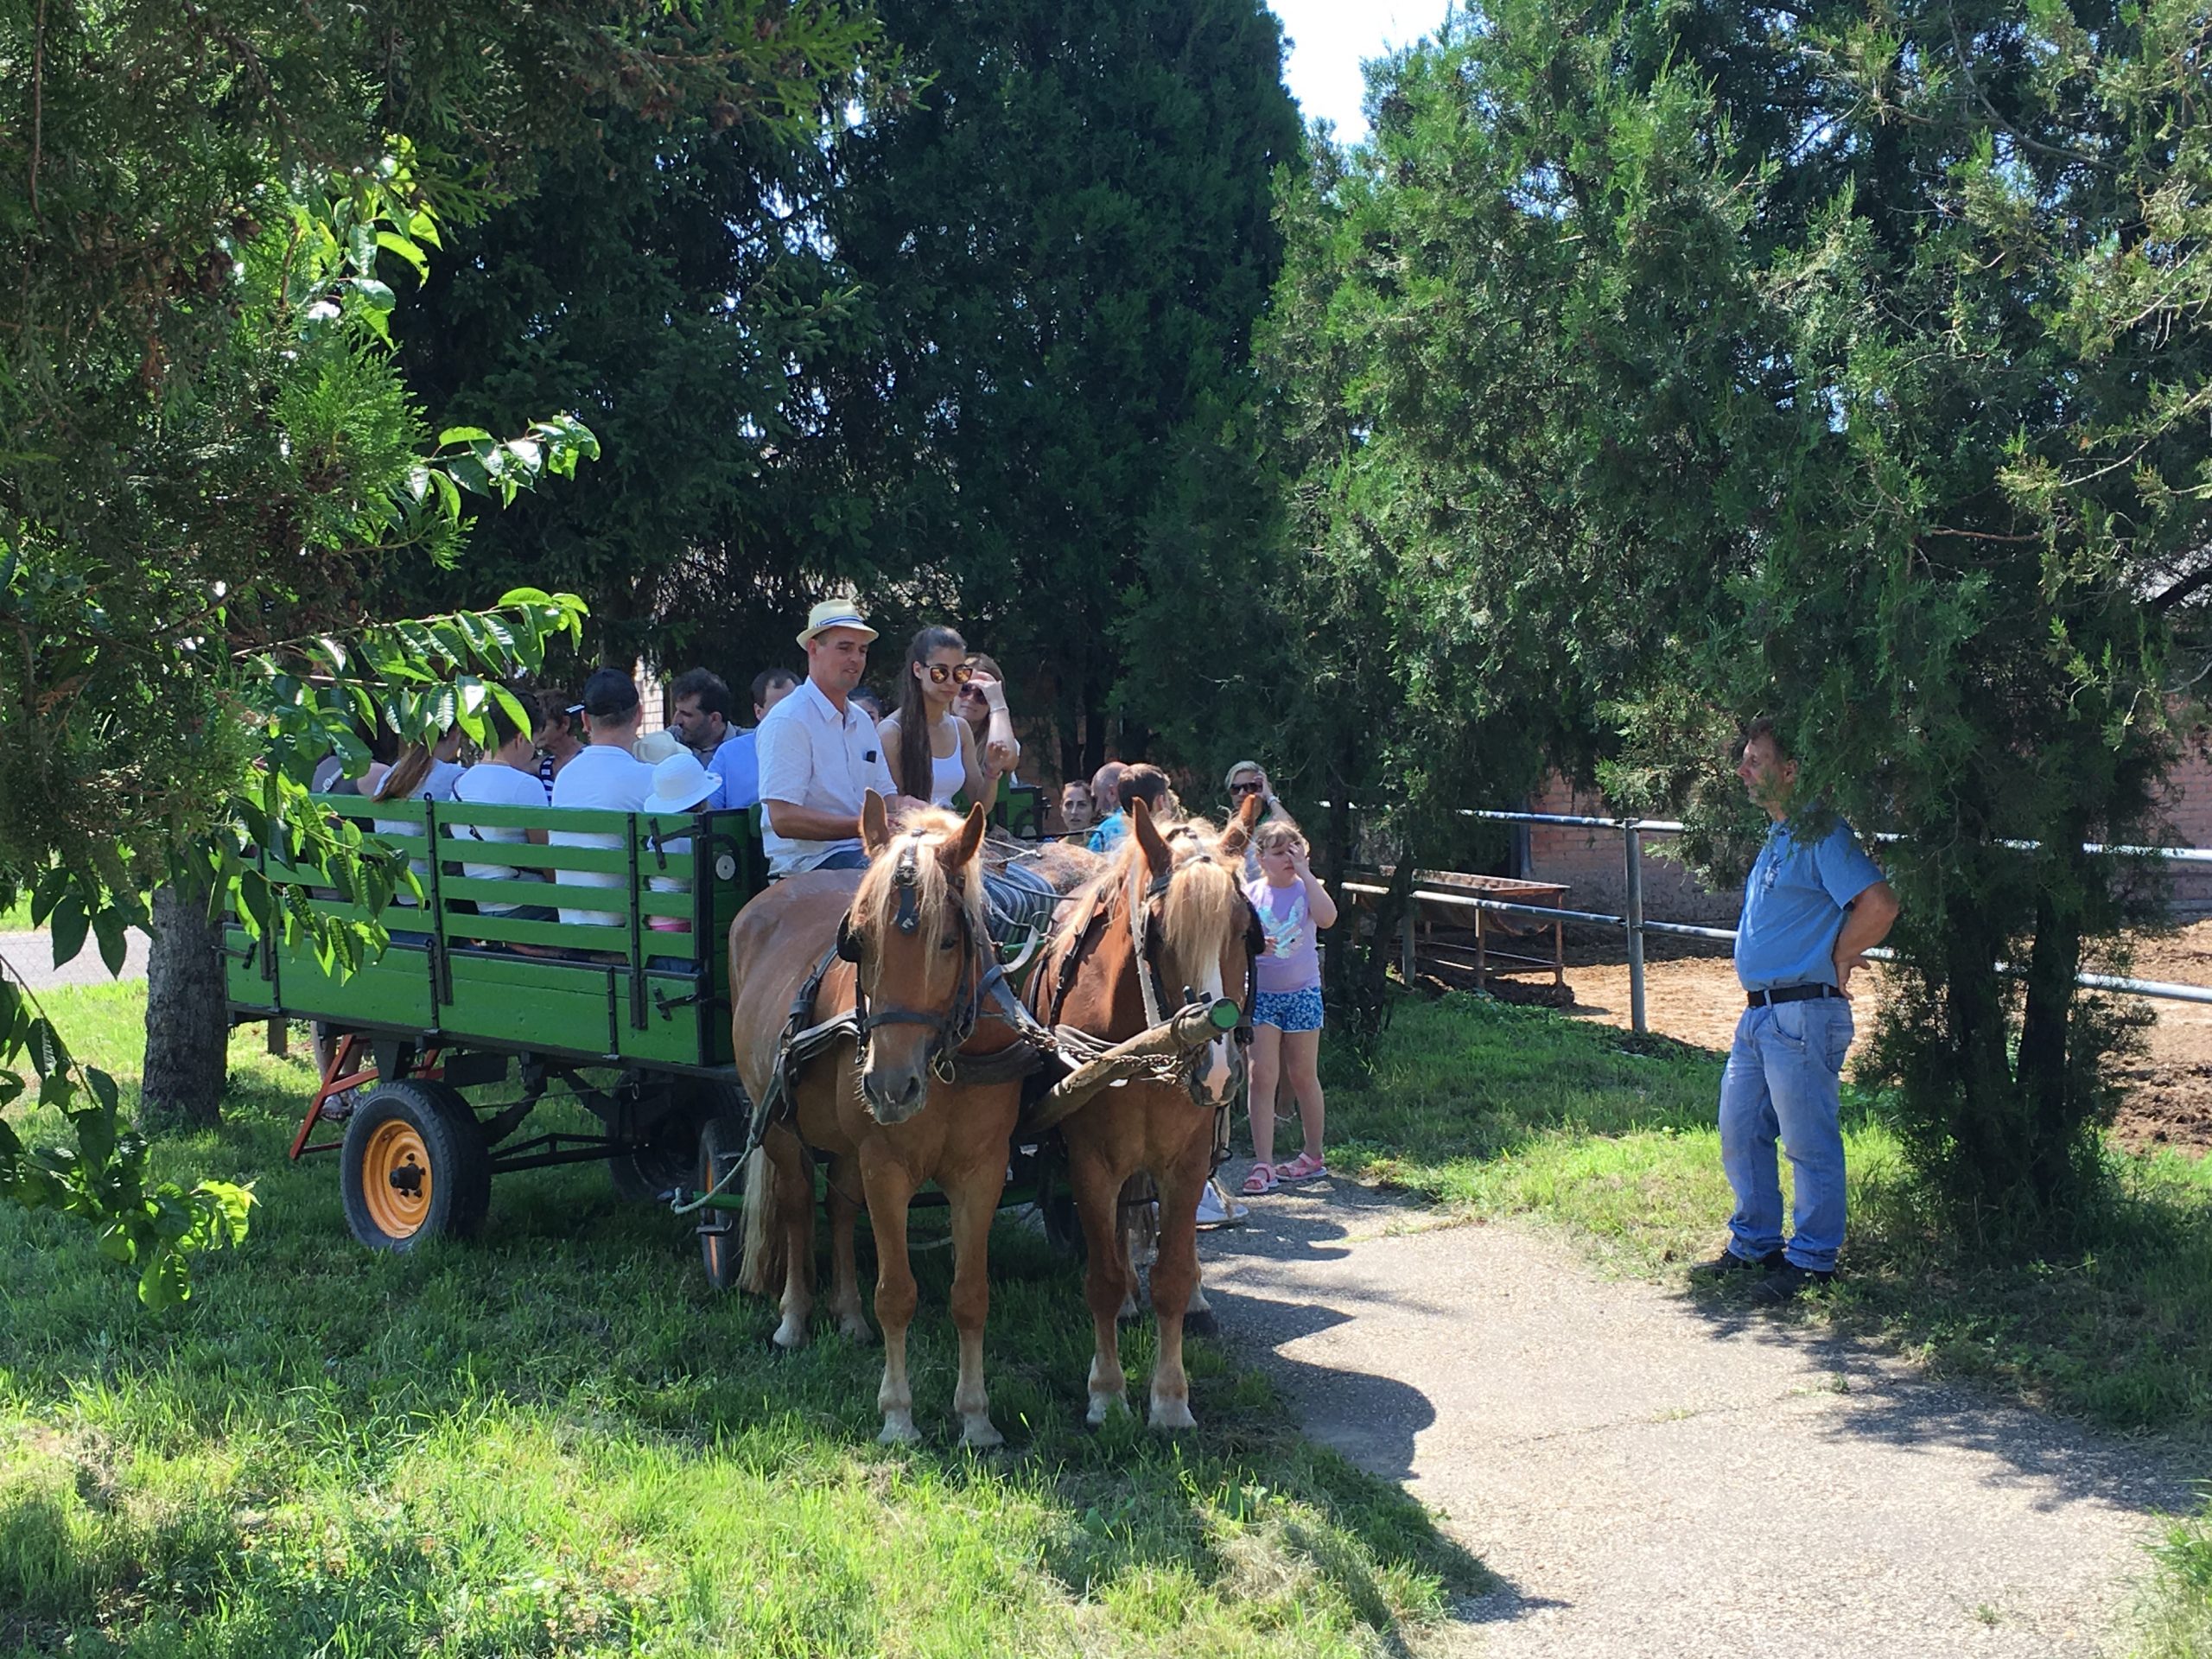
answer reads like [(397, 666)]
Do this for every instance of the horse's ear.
[(875, 824), (1239, 832), (954, 855), (1149, 837)]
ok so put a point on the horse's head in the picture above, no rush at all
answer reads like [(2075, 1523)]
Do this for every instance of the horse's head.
[(915, 933), (1190, 920)]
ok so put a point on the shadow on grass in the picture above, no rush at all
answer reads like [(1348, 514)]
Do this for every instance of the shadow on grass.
[(559, 1428)]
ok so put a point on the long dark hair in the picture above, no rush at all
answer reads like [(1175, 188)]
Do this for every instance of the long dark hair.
[(914, 774)]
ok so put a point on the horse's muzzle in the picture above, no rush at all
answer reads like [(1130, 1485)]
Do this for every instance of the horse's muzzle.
[(894, 1093)]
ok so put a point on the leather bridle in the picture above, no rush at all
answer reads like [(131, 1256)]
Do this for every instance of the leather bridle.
[(950, 1029)]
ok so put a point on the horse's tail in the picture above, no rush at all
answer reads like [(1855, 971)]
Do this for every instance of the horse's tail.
[(761, 1265)]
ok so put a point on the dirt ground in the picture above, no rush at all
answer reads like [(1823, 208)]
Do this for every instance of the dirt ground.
[(1690, 993)]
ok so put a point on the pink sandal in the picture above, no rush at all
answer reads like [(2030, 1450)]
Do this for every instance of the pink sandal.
[(1304, 1168), (1260, 1182)]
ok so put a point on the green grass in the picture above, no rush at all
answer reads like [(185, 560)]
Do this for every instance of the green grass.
[(2177, 1621), (17, 917), (556, 1440), (1499, 1111)]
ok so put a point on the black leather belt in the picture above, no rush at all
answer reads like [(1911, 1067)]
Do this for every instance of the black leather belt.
[(1789, 993)]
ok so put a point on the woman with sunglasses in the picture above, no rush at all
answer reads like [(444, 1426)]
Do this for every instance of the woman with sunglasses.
[(933, 753)]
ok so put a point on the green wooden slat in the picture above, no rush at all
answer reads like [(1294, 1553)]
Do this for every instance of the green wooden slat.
[(562, 936)]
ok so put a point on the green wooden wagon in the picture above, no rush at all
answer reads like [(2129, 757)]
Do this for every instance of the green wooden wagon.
[(628, 1016)]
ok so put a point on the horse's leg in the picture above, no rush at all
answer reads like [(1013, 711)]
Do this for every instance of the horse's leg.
[(795, 1206), (890, 1189), (1174, 1281), (974, 1202), (845, 1277), (1098, 1200)]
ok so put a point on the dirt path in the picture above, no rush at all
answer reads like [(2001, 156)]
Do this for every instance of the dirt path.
[(1649, 1475)]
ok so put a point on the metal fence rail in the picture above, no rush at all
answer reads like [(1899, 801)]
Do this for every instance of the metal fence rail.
[(1634, 926)]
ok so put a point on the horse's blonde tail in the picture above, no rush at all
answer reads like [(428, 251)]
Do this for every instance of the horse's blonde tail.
[(760, 1263)]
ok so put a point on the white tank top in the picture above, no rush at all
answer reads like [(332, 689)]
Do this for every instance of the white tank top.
[(947, 778)]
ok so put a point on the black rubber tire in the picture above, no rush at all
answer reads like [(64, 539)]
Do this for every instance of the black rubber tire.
[(1056, 1210), (457, 1162), (670, 1156), (721, 1143)]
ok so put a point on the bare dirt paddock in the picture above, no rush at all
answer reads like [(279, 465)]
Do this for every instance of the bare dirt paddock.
[(1692, 995)]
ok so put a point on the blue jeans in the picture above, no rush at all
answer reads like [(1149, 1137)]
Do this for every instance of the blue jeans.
[(1783, 1080)]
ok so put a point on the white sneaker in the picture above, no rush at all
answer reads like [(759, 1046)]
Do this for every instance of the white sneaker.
[(1216, 1211)]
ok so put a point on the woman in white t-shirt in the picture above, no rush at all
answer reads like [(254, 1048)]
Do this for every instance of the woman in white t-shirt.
[(507, 776), (932, 753)]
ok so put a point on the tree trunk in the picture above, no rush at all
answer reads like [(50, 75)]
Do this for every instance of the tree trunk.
[(187, 1016)]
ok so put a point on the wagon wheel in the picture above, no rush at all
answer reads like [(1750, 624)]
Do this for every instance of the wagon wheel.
[(722, 1143), (414, 1165), (668, 1155)]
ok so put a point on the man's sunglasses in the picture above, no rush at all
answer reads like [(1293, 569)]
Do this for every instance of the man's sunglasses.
[(1245, 788), (958, 673)]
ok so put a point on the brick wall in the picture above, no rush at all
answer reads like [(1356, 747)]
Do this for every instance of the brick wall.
[(1590, 861), (1592, 864)]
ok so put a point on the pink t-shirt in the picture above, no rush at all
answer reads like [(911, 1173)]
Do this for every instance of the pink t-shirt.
[(1291, 961)]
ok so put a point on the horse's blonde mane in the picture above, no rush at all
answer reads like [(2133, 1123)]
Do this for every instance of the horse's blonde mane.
[(875, 906), (1201, 901)]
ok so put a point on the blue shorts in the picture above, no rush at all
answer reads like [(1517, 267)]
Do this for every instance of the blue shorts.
[(1289, 1010)]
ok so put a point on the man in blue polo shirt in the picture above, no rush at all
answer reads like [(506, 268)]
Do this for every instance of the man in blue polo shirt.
[(1812, 909)]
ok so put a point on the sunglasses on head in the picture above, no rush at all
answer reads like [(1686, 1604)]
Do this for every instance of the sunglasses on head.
[(958, 673)]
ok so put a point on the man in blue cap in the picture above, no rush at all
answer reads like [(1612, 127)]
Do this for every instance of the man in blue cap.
[(1812, 906)]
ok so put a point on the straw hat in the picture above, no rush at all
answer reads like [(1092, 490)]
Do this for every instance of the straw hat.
[(835, 613)]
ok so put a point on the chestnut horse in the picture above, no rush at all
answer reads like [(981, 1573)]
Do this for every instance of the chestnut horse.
[(1170, 906), (912, 945)]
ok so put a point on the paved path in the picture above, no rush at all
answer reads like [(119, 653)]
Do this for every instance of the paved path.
[(1650, 1475), (31, 955)]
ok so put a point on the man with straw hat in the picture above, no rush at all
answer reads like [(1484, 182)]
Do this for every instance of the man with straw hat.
[(819, 752)]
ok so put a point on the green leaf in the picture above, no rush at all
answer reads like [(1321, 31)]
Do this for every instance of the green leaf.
[(70, 922), (108, 924), (463, 435), (407, 249)]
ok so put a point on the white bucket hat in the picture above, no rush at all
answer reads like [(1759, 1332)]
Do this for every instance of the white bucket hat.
[(680, 783), (655, 746), (835, 613)]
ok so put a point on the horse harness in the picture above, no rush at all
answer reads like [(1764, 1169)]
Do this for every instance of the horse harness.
[(980, 995)]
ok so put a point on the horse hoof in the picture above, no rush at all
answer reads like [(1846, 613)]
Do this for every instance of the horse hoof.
[(899, 1429), (1132, 1311), (790, 1334), (1168, 1416), (978, 1434), (856, 1329), (1102, 1406), (1201, 1322)]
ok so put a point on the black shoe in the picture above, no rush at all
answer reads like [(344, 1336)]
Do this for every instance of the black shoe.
[(1728, 1262), (1784, 1283)]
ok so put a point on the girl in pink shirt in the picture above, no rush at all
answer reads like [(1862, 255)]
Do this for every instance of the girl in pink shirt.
[(1293, 906)]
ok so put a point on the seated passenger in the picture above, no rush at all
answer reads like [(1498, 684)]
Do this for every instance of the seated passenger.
[(819, 755), (981, 703), (425, 773), (602, 777), (934, 754), (556, 737), (736, 761), (1076, 814), (681, 785), (507, 776), (1138, 782)]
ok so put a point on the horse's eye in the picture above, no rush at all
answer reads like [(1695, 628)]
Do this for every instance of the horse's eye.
[(948, 942)]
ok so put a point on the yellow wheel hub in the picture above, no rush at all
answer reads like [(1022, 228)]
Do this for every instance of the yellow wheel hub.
[(395, 1179)]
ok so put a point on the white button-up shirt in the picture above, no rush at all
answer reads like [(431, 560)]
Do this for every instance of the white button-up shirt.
[(812, 756)]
